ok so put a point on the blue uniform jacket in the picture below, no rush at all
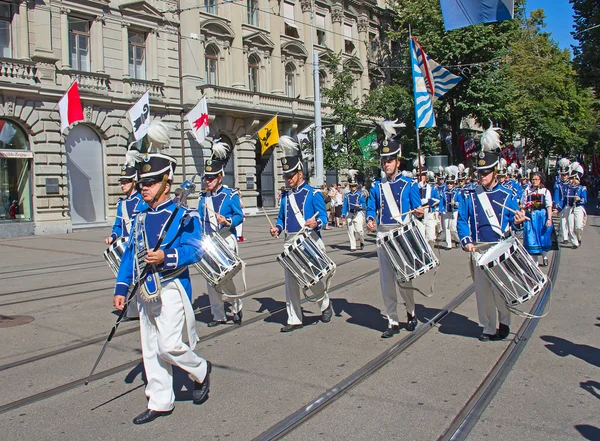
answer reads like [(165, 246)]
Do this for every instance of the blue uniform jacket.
[(309, 201), (182, 246), (473, 225), (571, 192), (227, 203), (451, 199), (560, 188), (353, 202), (434, 200), (132, 205), (406, 195)]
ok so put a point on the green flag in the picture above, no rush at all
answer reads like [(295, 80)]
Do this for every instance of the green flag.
[(365, 143)]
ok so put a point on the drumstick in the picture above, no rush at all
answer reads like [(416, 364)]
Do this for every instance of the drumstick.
[(509, 209), (214, 212), (270, 223)]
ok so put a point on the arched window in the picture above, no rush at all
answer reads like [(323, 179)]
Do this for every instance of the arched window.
[(253, 69), (15, 164), (290, 73), (322, 80), (211, 58)]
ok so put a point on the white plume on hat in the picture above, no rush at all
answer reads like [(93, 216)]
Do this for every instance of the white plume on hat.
[(416, 162), (219, 149), (564, 163), (389, 127), (461, 167), (467, 171), (289, 146), (430, 175), (407, 174), (576, 167), (440, 170), (452, 172), (502, 163), (158, 134), (490, 139), (352, 175)]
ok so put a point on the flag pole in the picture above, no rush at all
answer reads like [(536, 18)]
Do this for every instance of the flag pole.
[(416, 122)]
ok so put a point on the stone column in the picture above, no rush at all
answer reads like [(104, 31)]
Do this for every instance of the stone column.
[(152, 55), (125, 49), (363, 37), (23, 30), (238, 80), (277, 70), (309, 37), (97, 37), (337, 18), (64, 38)]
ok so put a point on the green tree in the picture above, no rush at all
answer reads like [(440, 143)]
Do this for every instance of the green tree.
[(587, 33)]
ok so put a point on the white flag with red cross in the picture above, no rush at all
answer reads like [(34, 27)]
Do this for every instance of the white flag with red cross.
[(198, 120)]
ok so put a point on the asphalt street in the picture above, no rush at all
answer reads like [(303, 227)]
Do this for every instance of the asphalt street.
[(60, 288)]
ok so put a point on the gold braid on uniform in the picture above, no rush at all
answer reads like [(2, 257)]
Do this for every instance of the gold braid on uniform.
[(163, 185)]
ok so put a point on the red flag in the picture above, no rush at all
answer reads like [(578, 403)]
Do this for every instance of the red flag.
[(70, 107)]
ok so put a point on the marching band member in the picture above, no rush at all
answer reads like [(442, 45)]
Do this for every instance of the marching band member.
[(560, 189), (441, 188), (450, 201), (482, 222), (537, 234), (390, 201), (574, 200), (221, 212), (354, 212), (127, 207), (430, 200), (167, 323), (302, 206)]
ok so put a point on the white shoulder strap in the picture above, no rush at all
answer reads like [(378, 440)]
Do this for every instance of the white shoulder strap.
[(386, 190), (125, 215), (299, 215), (484, 200), (210, 209)]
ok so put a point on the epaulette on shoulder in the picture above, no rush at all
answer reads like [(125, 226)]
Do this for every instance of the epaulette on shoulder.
[(188, 215), (315, 191), (121, 198), (233, 192)]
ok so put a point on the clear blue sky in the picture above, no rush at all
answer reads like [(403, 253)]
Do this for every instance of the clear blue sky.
[(559, 19)]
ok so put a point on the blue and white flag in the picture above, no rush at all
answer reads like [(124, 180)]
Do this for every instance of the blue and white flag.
[(430, 82), (461, 13)]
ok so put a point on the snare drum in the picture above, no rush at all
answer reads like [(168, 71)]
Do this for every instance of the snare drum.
[(219, 263), (408, 252), (308, 263), (114, 254), (511, 269)]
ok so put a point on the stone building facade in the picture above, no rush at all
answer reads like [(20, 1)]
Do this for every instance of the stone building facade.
[(252, 60)]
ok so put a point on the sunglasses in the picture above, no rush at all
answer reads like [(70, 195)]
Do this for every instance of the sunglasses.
[(125, 181), (148, 183)]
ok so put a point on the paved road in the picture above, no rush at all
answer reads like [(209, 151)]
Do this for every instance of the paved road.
[(261, 376)]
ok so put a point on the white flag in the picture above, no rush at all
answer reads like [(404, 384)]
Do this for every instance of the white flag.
[(198, 120), (139, 115)]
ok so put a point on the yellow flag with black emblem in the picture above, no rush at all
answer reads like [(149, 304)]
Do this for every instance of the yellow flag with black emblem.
[(268, 135)]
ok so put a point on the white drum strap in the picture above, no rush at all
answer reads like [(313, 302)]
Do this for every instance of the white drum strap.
[(388, 197), (489, 211), (243, 271), (210, 211), (299, 215), (125, 216), (141, 252)]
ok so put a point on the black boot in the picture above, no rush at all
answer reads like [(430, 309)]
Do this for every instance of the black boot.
[(391, 331), (411, 322), (237, 318), (200, 393)]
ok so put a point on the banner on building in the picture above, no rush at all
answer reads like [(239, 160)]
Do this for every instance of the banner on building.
[(70, 108), (268, 136), (198, 120), (461, 13), (139, 115), (365, 144)]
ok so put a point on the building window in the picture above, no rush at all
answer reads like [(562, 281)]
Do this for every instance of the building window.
[(15, 166), (322, 80), (5, 33), (348, 43), (320, 25), (210, 6), (253, 69), (290, 73), (79, 43), (289, 21), (137, 55), (373, 47), (211, 58), (252, 7)]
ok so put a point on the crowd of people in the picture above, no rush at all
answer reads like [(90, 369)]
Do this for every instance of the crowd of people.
[(449, 205)]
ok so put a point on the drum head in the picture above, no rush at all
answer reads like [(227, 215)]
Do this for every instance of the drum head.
[(494, 253)]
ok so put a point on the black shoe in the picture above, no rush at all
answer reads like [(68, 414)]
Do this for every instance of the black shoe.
[(150, 415), (352, 250), (362, 246), (503, 331), (486, 337), (327, 314), (391, 331), (237, 318), (290, 328), (545, 262), (200, 394), (411, 323), (216, 323)]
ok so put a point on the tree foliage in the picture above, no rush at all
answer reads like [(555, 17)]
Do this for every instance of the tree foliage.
[(587, 32)]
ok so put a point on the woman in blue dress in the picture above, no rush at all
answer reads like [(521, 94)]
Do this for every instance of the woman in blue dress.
[(537, 232)]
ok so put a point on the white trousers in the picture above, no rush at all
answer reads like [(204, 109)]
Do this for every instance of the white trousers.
[(490, 303), (355, 224), (217, 306), (564, 223), (292, 293), (575, 223), (168, 335), (387, 279), (450, 231), (429, 222)]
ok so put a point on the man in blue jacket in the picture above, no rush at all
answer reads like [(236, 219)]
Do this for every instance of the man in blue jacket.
[(483, 220), (390, 201), (167, 322), (301, 206), (127, 208)]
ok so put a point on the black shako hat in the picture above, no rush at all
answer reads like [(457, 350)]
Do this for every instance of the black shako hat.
[(390, 148), (291, 162), (128, 172), (156, 165)]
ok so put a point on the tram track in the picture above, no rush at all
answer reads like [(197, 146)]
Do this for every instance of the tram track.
[(130, 364), (468, 416)]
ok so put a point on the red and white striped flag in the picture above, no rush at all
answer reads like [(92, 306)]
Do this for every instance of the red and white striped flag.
[(70, 107), (198, 120)]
